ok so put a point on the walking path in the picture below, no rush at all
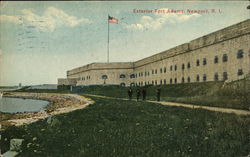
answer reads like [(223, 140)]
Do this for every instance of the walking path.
[(218, 109)]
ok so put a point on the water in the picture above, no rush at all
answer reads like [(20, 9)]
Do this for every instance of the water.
[(14, 105)]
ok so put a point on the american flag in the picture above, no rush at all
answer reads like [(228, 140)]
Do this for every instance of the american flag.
[(112, 20)]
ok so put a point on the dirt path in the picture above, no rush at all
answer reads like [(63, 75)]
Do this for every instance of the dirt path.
[(60, 103), (217, 109)]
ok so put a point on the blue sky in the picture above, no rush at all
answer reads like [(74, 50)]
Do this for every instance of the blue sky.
[(40, 41)]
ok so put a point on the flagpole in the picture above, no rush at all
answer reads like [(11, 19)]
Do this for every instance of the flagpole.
[(108, 42)]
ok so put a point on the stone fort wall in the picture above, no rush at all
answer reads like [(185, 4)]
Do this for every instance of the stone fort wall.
[(221, 55)]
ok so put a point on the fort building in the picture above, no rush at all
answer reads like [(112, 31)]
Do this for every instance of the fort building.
[(223, 55)]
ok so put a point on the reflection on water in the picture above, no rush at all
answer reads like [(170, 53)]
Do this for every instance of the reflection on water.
[(14, 105)]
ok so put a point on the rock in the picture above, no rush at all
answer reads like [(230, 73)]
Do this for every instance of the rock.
[(15, 144), (10, 154), (53, 121)]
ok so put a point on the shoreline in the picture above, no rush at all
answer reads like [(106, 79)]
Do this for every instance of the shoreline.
[(58, 104)]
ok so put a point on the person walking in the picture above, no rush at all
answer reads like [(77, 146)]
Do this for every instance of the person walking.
[(144, 94), (130, 93), (158, 94), (138, 94)]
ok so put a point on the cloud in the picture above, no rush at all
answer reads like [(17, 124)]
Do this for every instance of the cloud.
[(49, 21), (161, 19)]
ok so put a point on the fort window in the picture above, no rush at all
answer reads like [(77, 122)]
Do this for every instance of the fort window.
[(183, 66), (197, 62), (171, 68), (104, 76), (188, 65), (225, 76), (204, 61), (165, 82), (161, 82), (165, 69), (145, 73), (204, 77), (161, 70), (240, 54), (225, 58), (152, 82), (141, 73), (155, 71), (132, 84), (175, 80), (240, 72), (148, 82), (175, 67), (183, 80), (171, 81), (188, 79), (216, 77), (216, 59), (197, 78), (155, 82), (135, 75), (132, 76), (152, 71), (122, 76), (148, 73)]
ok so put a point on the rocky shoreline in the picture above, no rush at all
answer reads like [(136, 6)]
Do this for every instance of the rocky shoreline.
[(59, 103)]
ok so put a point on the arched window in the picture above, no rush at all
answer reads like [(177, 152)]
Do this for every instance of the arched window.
[(204, 77), (160, 70), (171, 68), (132, 76), (188, 65), (224, 75), (224, 58), (240, 72), (122, 84), (240, 54), (161, 82), (165, 82), (183, 80), (122, 76), (204, 61), (152, 71), (165, 69), (197, 78), (183, 66), (155, 82), (175, 67), (171, 81), (197, 62), (216, 77), (188, 79), (104, 76), (216, 59), (175, 80), (132, 84)]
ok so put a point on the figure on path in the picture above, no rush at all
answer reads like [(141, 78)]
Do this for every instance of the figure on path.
[(158, 94), (138, 94), (130, 93), (144, 94)]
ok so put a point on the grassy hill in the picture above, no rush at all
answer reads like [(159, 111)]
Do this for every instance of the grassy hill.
[(139, 129), (232, 95)]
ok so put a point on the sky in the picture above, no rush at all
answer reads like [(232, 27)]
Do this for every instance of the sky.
[(40, 41)]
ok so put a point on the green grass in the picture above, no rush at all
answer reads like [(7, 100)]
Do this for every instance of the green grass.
[(127, 128), (205, 93)]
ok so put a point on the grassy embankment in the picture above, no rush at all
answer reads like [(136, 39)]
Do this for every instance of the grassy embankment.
[(128, 128), (207, 93)]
